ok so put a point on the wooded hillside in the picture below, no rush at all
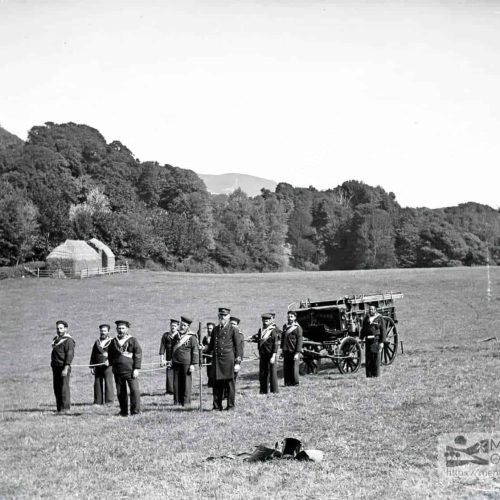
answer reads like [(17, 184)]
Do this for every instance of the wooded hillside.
[(65, 181)]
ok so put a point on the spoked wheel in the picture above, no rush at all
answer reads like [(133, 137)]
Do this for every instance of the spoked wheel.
[(391, 342), (349, 359), (309, 364)]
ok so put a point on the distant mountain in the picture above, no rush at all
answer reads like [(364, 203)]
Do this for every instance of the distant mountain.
[(8, 140), (227, 183)]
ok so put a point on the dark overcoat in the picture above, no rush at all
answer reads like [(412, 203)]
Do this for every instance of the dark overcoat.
[(226, 348)]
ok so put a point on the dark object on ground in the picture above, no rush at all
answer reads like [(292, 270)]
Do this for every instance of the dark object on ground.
[(291, 449)]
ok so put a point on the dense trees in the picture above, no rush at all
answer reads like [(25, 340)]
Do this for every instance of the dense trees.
[(65, 181)]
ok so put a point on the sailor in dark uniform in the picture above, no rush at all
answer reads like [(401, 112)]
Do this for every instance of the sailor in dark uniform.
[(184, 358), (167, 341), (225, 348), (125, 356), (268, 341), (205, 342), (373, 332), (63, 350), (291, 347), (236, 323), (103, 373)]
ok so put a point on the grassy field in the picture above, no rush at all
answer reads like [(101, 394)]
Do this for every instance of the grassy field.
[(379, 436)]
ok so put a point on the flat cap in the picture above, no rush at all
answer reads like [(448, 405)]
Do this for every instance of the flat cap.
[(211, 323), (186, 319), (224, 310), (235, 319), (267, 316), (122, 322), (291, 311), (104, 325), (61, 322), (173, 320)]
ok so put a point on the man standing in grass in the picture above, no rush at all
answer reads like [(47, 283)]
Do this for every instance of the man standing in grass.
[(291, 347), (103, 373), (225, 348), (373, 332), (125, 356), (268, 341), (63, 350), (236, 323), (205, 342), (167, 340), (184, 357)]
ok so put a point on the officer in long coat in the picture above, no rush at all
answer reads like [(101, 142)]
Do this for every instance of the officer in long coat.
[(225, 348), (268, 340), (184, 357), (166, 343), (291, 347), (373, 332), (63, 351), (103, 373), (125, 356)]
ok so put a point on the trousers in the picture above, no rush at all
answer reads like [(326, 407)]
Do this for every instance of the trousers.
[(183, 384), (61, 388), (268, 375), (372, 358), (219, 388), (104, 391), (122, 381), (290, 369), (169, 381)]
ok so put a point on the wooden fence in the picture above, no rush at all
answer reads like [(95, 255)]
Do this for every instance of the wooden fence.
[(84, 273), (87, 273)]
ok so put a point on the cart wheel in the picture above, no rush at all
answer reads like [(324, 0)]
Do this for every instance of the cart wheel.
[(349, 359), (391, 342), (308, 364)]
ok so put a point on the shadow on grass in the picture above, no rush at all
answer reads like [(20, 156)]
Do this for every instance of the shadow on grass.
[(30, 410), (173, 409)]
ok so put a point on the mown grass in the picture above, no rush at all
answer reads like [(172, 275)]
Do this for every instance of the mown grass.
[(379, 435)]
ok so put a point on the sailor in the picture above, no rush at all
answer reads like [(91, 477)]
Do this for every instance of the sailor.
[(204, 343), (373, 332), (291, 347), (268, 341), (63, 350), (103, 373), (225, 348), (236, 323), (184, 357), (167, 340), (125, 356)]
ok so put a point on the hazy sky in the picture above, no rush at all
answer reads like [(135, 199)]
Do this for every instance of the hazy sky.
[(397, 93)]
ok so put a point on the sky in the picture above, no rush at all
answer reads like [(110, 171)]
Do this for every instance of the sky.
[(405, 95)]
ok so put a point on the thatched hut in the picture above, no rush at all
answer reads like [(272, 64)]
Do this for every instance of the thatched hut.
[(105, 253), (73, 256)]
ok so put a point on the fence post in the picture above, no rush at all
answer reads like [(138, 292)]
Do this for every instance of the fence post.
[(38, 272), (126, 263)]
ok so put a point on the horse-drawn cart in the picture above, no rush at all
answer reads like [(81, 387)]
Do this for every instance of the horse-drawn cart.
[(332, 327)]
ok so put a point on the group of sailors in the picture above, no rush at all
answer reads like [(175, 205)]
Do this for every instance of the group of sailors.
[(119, 359)]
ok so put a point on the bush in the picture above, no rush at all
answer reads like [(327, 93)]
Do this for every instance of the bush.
[(13, 272)]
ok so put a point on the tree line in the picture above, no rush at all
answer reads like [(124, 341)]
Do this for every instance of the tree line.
[(65, 181)]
